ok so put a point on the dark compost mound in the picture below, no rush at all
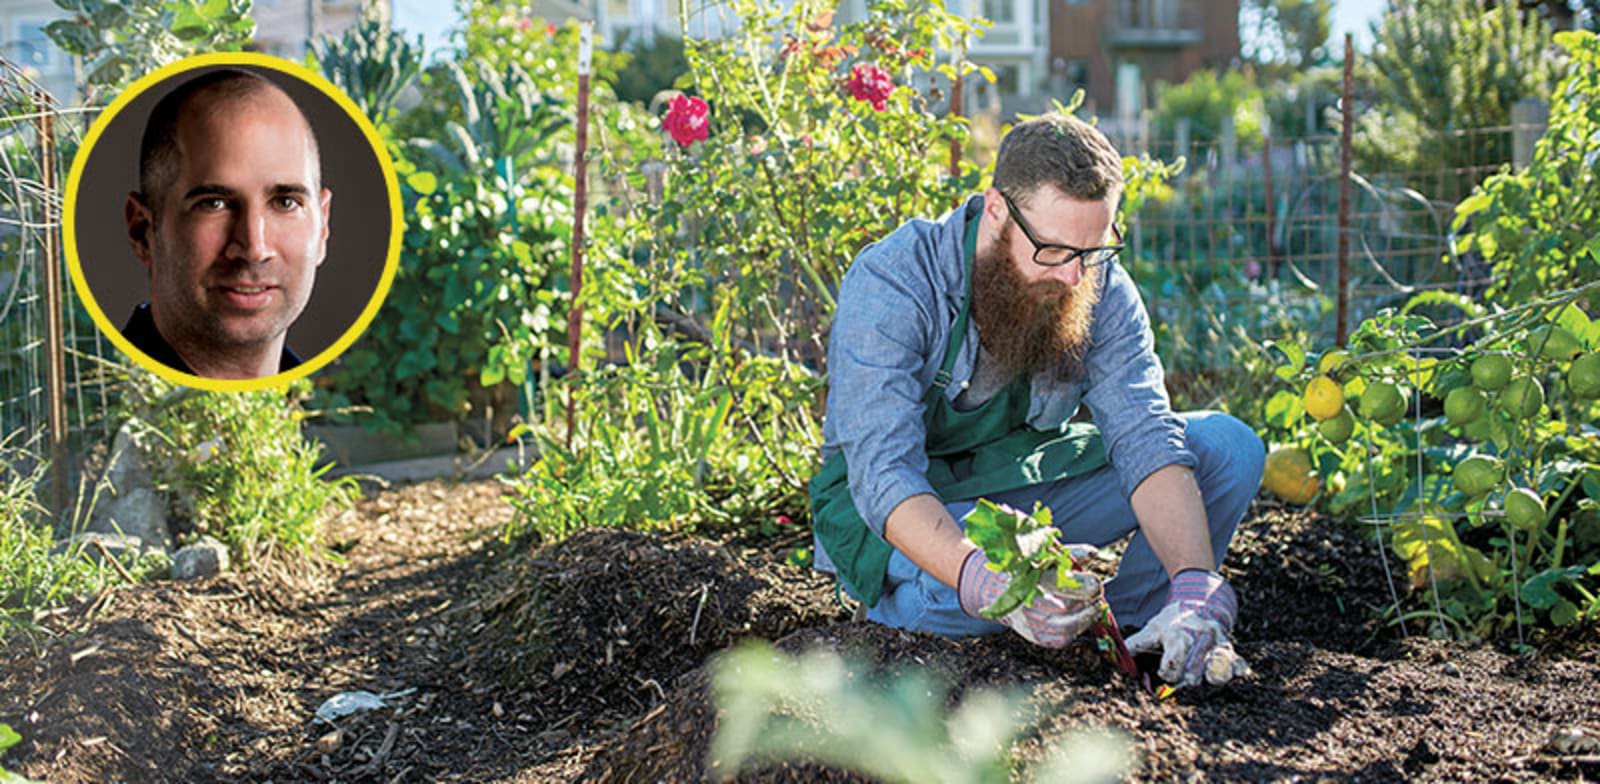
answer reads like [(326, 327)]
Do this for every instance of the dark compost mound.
[(602, 623), (1334, 696)]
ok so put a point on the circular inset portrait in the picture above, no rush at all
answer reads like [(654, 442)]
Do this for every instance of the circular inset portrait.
[(232, 222)]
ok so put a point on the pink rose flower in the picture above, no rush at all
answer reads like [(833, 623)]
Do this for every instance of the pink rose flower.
[(687, 119), (870, 83)]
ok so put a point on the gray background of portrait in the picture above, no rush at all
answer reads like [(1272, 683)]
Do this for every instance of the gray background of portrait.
[(358, 216)]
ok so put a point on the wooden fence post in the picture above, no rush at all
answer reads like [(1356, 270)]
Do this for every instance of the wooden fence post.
[(1341, 328), (579, 204)]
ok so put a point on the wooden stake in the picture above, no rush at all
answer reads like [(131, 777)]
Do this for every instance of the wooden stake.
[(54, 332), (579, 205), (1348, 111)]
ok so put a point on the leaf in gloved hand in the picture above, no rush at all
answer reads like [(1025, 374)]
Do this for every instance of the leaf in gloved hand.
[(1018, 592), (994, 529), (1012, 540)]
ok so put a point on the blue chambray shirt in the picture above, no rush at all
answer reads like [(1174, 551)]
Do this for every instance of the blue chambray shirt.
[(896, 311)]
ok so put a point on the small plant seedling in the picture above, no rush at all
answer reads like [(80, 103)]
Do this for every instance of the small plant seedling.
[(1026, 547), (9, 738)]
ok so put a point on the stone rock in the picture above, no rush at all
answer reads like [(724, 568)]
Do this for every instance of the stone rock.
[(131, 506), (205, 558)]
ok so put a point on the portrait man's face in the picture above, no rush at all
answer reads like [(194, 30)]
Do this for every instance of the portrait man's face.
[(233, 242)]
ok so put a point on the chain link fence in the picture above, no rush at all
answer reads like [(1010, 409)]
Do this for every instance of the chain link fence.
[(1246, 246)]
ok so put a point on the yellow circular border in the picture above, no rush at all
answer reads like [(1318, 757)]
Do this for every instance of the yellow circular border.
[(391, 183)]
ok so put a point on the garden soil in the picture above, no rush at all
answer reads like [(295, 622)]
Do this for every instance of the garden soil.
[(585, 661)]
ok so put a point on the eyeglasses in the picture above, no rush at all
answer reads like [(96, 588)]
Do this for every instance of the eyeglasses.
[(1049, 254)]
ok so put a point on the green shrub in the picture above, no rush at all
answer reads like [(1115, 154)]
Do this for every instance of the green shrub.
[(236, 465), (37, 569), (1478, 63), (1207, 102)]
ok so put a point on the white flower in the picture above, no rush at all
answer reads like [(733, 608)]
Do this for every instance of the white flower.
[(205, 450)]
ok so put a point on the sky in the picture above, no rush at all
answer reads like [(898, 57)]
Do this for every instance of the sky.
[(1354, 16), (433, 20)]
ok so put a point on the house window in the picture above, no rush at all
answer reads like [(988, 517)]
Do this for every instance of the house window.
[(1000, 11), (1141, 14)]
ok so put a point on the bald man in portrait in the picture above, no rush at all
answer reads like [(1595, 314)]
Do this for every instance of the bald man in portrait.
[(231, 223)]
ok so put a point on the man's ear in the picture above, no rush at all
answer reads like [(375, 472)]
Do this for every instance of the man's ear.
[(141, 225), (994, 204), (325, 199), (994, 210)]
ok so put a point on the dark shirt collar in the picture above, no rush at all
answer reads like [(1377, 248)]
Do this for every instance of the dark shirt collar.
[(142, 333)]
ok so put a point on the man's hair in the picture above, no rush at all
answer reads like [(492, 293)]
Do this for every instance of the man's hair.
[(1058, 150), (158, 148)]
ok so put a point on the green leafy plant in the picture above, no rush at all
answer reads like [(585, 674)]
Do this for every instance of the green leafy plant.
[(1494, 507), (672, 451), (9, 738), (817, 708), (474, 300), (479, 304), (121, 41), (1023, 546), (1480, 62), (1027, 548), (1206, 101), (372, 64), (1538, 227), (41, 567), (236, 465)]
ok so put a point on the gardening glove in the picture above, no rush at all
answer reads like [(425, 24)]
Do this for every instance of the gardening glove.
[(1194, 631), (1051, 621)]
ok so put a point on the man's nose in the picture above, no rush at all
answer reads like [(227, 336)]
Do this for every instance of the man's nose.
[(1069, 273), (248, 239)]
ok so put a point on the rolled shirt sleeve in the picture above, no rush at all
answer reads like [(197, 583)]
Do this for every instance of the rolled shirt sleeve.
[(883, 333), (1126, 390)]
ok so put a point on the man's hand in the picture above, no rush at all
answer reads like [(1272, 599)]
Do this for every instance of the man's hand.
[(1194, 631), (1050, 621)]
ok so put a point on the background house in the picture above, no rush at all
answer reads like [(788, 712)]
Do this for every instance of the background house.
[(1117, 50), (284, 26)]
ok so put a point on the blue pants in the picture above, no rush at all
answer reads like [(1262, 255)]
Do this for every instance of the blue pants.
[(1089, 509)]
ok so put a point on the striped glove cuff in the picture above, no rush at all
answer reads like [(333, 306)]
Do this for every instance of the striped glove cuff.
[(978, 586), (1206, 594)]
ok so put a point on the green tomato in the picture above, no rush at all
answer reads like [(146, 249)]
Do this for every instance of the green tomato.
[(1524, 510), (1338, 429), (1491, 372), (1522, 398), (1583, 380), (1477, 475), (1383, 403), (1464, 405), (1555, 342)]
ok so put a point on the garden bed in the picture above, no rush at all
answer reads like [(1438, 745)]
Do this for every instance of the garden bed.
[(219, 681)]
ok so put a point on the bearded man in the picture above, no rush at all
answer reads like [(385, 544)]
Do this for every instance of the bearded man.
[(960, 351)]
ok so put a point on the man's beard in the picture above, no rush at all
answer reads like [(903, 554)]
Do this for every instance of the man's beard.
[(1029, 327)]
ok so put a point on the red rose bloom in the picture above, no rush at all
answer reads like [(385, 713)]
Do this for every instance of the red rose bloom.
[(687, 119), (870, 83)]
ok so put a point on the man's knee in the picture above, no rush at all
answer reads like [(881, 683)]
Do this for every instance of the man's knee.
[(1229, 451)]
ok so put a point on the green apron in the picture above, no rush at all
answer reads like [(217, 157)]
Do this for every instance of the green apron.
[(988, 450)]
